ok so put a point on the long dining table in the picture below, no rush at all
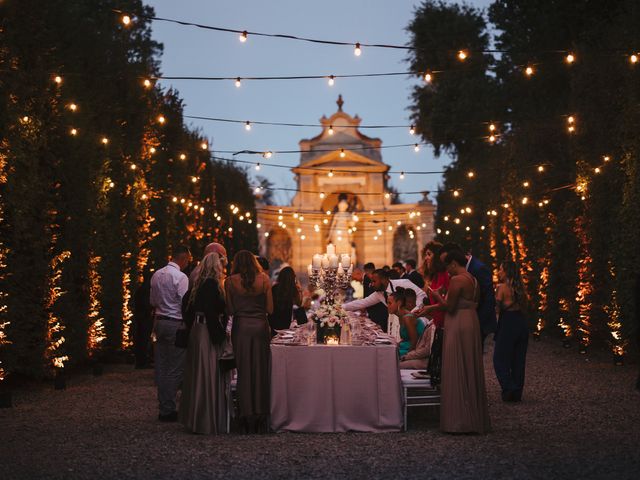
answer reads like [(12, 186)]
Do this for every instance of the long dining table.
[(335, 388)]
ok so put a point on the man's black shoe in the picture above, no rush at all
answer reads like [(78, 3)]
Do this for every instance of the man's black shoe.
[(169, 417)]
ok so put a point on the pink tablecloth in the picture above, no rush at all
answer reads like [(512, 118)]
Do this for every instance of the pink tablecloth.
[(335, 389)]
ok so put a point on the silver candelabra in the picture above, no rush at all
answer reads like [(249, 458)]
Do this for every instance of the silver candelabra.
[(331, 280)]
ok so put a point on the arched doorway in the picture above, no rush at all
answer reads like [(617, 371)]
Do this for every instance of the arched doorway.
[(405, 245), (279, 248)]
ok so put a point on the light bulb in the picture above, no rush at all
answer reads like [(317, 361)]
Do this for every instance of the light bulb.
[(183, 156), (416, 147), (412, 130), (541, 168), (243, 36), (175, 199), (73, 132), (529, 71), (570, 58), (525, 200), (571, 119), (331, 80), (492, 138), (357, 51), (133, 166), (633, 58), (456, 193), (462, 55), (597, 170), (238, 82), (387, 195), (257, 167), (525, 184), (428, 77), (492, 127), (342, 154), (194, 179), (126, 20), (152, 150), (105, 140), (606, 158), (330, 130), (57, 79), (471, 174), (267, 154), (73, 107), (161, 119), (247, 126), (147, 83), (330, 174), (401, 175), (204, 145)]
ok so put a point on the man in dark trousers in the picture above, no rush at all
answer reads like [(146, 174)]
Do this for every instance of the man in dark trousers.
[(487, 303), (412, 274)]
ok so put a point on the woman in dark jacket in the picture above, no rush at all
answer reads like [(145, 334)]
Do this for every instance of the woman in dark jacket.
[(203, 408), (287, 301)]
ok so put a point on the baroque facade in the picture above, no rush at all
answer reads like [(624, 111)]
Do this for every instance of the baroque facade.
[(343, 199)]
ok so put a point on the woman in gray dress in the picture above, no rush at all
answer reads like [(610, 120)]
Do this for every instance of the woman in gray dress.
[(249, 301), (203, 407)]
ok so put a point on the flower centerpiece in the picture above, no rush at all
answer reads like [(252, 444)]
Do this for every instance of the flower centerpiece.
[(329, 319)]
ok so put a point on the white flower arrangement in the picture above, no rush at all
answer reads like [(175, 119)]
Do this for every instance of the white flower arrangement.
[(330, 315)]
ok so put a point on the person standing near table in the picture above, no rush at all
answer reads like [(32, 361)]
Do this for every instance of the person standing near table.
[(376, 303), (412, 274), (367, 280), (168, 286), (287, 300), (250, 301), (464, 397)]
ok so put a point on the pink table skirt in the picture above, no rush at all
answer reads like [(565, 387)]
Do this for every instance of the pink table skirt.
[(335, 389)]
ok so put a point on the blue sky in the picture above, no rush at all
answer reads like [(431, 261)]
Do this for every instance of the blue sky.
[(189, 51)]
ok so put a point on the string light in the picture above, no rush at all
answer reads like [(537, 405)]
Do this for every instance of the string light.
[(528, 71), (267, 154), (570, 58), (412, 130), (73, 132), (331, 81), (57, 79), (492, 138), (357, 51), (330, 131), (633, 58), (428, 77), (238, 82), (471, 174), (161, 119), (492, 127), (597, 170), (342, 154), (147, 83), (462, 55), (204, 146), (540, 168), (525, 184), (401, 175), (416, 148), (606, 158), (133, 166), (330, 174), (456, 193), (194, 179), (73, 107), (183, 156), (257, 167), (247, 126), (105, 140), (243, 36), (126, 20)]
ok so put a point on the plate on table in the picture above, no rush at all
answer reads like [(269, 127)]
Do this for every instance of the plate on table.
[(420, 375)]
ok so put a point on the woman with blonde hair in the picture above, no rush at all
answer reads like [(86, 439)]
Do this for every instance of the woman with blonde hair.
[(249, 300), (203, 408)]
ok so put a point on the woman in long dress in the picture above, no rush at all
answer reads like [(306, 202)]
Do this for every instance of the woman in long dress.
[(463, 394), (249, 300), (203, 407)]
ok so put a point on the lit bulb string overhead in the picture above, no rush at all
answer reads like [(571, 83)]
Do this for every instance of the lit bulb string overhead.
[(569, 55)]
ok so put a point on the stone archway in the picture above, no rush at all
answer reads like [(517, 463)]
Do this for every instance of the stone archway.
[(405, 245), (279, 248)]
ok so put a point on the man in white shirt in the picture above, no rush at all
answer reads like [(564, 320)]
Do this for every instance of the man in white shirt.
[(168, 286), (376, 303)]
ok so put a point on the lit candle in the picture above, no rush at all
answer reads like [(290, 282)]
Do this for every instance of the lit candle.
[(333, 260), (331, 249), (340, 271), (346, 261), (310, 270), (325, 262), (332, 341), (317, 261)]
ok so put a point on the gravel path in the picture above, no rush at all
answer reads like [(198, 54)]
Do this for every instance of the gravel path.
[(580, 418)]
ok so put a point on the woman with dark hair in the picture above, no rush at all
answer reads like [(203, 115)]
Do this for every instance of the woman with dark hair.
[(512, 336), (287, 295), (249, 300), (437, 279), (203, 407), (464, 396), (401, 302)]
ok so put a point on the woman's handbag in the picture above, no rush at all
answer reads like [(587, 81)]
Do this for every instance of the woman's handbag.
[(227, 360)]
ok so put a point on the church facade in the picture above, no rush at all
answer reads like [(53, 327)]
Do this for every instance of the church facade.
[(343, 199)]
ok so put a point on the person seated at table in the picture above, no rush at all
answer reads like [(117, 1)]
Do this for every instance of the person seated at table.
[(401, 303), (418, 358), (287, 298)]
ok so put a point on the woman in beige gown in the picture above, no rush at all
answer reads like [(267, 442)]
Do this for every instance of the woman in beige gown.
[(203, 406), (249, 300), (463, 394)]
